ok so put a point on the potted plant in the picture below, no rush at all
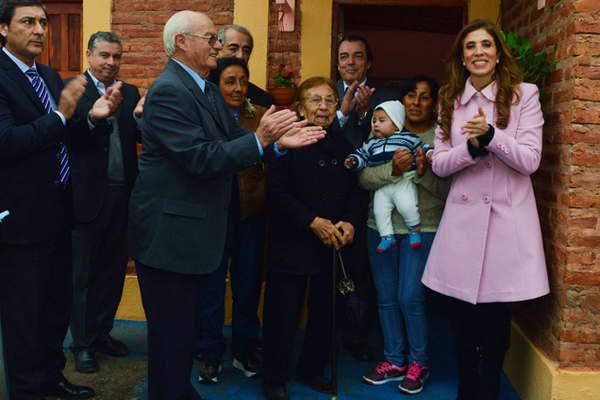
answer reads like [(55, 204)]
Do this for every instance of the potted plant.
[(284, 90)]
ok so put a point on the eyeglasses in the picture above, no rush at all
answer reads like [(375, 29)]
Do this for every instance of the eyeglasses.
[(316, 100), (211, 38)]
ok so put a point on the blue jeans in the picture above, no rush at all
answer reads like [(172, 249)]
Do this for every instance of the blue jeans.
[(401, 297), (247, 253)]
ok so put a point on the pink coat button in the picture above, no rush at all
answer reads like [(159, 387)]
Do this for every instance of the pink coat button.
[(464, 196), (486, 199)]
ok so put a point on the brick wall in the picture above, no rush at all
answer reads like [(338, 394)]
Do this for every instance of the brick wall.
[(284, 47), (566, 324), (140, 24)]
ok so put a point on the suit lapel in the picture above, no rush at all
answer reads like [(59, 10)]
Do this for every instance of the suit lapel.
[(221, 111), (191, 85), (340, 88), (91, 91), (14, 74)]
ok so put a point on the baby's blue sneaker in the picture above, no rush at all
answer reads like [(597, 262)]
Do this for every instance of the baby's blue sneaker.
[(387, 242), (414, 239)]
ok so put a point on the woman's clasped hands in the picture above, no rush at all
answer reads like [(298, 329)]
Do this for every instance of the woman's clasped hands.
[(338, 235)]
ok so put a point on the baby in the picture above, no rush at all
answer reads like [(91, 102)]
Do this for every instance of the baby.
[(387, 137)]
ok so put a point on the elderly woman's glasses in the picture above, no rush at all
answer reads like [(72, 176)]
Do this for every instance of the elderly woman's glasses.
[(315, 101), (211, 38)]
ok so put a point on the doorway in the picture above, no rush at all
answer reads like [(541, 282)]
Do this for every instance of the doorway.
[(63, 47), (407, 37)]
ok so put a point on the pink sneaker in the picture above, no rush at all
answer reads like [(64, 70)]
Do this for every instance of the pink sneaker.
[(385, 372), (415, 378)]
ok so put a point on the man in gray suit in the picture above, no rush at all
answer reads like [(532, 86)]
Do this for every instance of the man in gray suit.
[(180, 204)]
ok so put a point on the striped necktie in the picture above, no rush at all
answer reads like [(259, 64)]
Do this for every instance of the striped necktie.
[(42, 92)]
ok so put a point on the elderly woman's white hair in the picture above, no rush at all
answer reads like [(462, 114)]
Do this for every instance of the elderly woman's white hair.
[(180, 22)]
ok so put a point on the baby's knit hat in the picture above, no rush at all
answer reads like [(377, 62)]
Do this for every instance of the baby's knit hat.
[(395, 110)]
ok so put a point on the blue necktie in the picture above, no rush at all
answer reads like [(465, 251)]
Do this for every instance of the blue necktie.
[(42, 92)]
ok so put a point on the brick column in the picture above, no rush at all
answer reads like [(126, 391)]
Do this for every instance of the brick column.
[(566, 324)]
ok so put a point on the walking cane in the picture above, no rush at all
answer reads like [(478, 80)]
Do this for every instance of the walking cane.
[(3, 215), (333, 332), (346, 286)]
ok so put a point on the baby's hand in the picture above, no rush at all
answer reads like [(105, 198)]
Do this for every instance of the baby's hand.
[(350, 162), (429, 156)]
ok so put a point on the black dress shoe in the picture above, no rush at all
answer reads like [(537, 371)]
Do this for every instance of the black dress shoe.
[(275, 392), (85, 362), (318, 383), (111, 346), (66, 390)]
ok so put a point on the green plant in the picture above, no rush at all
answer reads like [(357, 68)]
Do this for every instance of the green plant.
[(284, 77), (536, 67)]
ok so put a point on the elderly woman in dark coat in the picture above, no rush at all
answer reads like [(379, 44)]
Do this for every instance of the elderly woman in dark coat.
[(315, 204)]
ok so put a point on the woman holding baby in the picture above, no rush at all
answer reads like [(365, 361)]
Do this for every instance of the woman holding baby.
[(397, 268)]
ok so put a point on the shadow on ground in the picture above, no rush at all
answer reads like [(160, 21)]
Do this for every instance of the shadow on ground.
[(124, 378)]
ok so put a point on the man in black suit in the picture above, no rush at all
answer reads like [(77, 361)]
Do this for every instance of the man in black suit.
[(35, 244), (359, 98), (104, 167), (237, 42), (180, 204)]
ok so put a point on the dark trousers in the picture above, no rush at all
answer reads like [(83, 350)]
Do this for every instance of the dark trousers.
[(210, 342), (170, 302), (483, 337), (357, 314), (99, 262), (284, 301), (246, 249), (35, 303)]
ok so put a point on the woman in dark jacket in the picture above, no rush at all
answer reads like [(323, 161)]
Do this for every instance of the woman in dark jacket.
[(315, 204)]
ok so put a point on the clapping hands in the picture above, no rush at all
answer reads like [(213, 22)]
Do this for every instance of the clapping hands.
[(475, 127)]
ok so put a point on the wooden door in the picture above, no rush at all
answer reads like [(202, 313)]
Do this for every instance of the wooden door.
[(64, 44)]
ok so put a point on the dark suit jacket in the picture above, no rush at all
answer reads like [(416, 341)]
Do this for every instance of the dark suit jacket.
[(307, 183), (29, 144), (259, 96), (357, 129), (180, 202), (89, 151)]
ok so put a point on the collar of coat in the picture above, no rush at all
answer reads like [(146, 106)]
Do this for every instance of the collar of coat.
[(489, 92)]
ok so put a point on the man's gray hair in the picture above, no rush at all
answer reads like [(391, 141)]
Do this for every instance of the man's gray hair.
[(101, 36), (238, 28), (178, 23)]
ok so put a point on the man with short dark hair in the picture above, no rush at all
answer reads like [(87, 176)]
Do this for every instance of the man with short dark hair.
[(354, 59), (36, 117), (359, 97), (238, 42), (104, 165)]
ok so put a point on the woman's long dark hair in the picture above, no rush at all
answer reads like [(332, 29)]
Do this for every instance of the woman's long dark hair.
[(507, 75)]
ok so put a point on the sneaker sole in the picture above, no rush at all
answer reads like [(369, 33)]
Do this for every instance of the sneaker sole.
[(381, 382), (414, 391), (211, 381), (408, 391), (238, 365)]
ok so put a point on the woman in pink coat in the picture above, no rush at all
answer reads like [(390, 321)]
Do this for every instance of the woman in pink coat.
[(488, 249)]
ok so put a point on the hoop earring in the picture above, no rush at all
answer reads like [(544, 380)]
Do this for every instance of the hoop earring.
[(497, 61), (463, 64)]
